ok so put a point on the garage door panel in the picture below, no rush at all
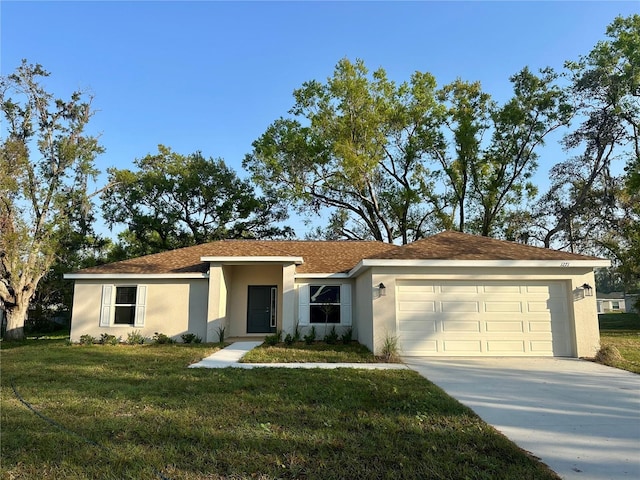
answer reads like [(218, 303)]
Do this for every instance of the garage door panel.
[(419, 325), (540, 326), (506, 307), (505, 346), (458, 288), (459, 307), (460, 326), (497, 288), (458, 346), (483, 318), (413, 306), (504, 327)]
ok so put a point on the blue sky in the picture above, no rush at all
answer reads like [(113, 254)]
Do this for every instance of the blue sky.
[(211, 76)]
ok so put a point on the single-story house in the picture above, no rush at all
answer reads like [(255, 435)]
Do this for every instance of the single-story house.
[(451, 294), (611, 302)]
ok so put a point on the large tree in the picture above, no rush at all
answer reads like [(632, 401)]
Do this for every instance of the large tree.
[(355, 145), (395, 162), (174, 200), (46, 160)]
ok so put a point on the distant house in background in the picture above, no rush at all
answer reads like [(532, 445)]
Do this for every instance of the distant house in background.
[(631, 302), (611, 302)]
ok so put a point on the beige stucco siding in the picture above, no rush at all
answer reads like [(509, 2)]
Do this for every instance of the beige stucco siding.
[(583, 320), (363, 310), (241, 278), (172, 307)]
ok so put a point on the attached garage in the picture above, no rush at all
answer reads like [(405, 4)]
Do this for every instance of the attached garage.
[(474, 318)]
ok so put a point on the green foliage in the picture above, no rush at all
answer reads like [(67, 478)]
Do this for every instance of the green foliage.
[(46, 161), (107, 339), (135, 338), (310, 337), (221, 333), (390, 351), (192, 338), (87, 340), (175, 200), (331, 338), (162, 339), (288, 339), (347, 336), (273, 339)]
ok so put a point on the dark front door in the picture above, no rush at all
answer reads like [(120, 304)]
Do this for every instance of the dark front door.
[(261, 310)]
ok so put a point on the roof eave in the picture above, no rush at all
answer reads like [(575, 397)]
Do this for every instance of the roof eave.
[(125, 276), (560, 263), (251, 259)]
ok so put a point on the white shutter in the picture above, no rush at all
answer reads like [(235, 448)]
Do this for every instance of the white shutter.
[(345, 304), (304, 311), (141, 301), (106, 305)]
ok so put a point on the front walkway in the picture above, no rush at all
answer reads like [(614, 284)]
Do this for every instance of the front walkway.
[(231, 355)]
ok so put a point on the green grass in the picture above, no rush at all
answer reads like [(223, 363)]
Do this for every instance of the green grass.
[(316, 352), (148, 413), (622, 330)]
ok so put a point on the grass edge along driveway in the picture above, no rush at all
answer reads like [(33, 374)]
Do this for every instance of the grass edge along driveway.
[(149, 416)]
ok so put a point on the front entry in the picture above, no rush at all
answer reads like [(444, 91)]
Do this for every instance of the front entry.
[(261, 309)]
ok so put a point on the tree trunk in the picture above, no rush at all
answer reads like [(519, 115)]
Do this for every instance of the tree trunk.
[(16, 316)]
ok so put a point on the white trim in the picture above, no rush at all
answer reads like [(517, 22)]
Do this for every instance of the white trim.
[(322, 275), (262, 259), (129, 276), (568, 263)]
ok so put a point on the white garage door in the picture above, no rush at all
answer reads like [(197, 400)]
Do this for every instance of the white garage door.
[(482, 318)]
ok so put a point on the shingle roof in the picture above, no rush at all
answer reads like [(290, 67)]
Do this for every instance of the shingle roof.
[(319, 256), (450, 245), (334, 256)]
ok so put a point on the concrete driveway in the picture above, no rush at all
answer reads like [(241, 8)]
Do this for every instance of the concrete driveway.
[(580, 418)]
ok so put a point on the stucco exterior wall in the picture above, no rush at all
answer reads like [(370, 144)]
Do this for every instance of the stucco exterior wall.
[(173, 307), (582, 309), (241, 277), (363, 310)]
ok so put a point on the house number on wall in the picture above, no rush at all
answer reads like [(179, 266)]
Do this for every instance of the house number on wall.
[(564, 264)]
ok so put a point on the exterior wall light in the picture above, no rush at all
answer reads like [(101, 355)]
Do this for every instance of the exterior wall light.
[(382, 290), (588, 290)]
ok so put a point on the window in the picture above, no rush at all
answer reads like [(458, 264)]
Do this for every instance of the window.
[(615, 305), (125, 306), (324, 303)]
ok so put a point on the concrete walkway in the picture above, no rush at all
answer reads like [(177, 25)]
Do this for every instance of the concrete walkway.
[(231, 355), (580, 418)]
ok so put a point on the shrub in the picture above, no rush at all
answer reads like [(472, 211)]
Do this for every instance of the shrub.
[(608, 355), (332, 337), (289, 339), (274, 339), (87, 340), (347, 336), (135, 338), (310, 337), (107, 339), (390, 351), (191, 338), (162, 339), (297, 336), (221, 330)]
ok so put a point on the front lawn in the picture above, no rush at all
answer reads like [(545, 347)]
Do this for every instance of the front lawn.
[(622, 330), (315, 352), (137, 412)]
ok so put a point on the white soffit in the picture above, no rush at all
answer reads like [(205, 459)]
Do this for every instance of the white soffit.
[(367, 263), (119, 276), (245, 260)]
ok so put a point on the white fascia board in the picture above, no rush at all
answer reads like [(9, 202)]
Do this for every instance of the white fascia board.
[(123, 276), (322, 275), (245, 260), (367, 263)]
